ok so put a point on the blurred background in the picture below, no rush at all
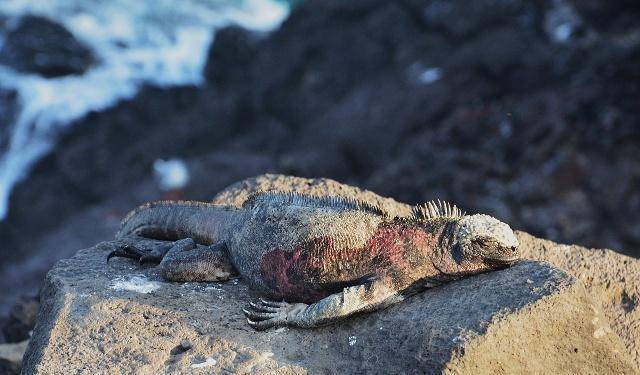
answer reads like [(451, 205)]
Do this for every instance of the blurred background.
[(524, 109)]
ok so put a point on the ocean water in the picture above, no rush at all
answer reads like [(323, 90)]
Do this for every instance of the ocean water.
[(159, 42)]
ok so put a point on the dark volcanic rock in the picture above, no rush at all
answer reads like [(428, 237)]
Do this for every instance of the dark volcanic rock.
[(39, 45), (232, 50), (473, 103), (618, 15), (8, 110), (22, 319), (97, 159)]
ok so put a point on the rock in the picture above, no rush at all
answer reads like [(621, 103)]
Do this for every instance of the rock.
[(84, 170), (94, 315), (625, 12), (8, 111), (611, 278), (11, 357), (231, 52), (22, 319), (42, 46), (136, 322), (496, 119)]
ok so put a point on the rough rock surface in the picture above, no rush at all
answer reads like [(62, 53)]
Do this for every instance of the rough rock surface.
[(38, 45), (611, 278), (96, 317)]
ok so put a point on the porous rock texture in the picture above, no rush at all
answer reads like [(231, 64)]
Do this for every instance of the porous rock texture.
[(531, 318), (610, 278), (39, 45)]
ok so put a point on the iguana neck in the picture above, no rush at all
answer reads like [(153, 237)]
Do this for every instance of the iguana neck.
[(206, 223), (448, 258)]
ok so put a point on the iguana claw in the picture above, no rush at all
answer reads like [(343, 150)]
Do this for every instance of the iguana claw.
[(150, 254), (127, 251), (269, 314)]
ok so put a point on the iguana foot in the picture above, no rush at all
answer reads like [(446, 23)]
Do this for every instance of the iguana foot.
[(267, 314), (186, 261), (152, 254), (126, 251)]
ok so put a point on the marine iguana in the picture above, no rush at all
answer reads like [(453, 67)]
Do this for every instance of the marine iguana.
[(318, 259)]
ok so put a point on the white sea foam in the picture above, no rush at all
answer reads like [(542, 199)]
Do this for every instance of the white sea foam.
[(171, 174), (429, 76), (160, 42)]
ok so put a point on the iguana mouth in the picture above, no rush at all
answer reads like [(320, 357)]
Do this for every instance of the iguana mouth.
[(502, 260)]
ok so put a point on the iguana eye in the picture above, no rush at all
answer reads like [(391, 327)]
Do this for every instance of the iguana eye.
[(483, 242)]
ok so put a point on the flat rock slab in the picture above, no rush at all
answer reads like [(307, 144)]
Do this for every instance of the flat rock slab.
[(612, 279), (120, 318)]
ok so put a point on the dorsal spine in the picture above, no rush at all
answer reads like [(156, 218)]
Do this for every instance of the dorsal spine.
[(436, 209), (302, 200)]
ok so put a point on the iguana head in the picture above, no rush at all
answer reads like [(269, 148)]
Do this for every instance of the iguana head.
[(482, 237)]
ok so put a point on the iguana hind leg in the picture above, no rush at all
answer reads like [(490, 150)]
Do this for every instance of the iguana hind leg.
[(367, 297), (140, 249), (181, 260), (186, 261)]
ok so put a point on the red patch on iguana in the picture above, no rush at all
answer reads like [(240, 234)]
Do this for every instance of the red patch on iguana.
[(284, 272), (317, 268)]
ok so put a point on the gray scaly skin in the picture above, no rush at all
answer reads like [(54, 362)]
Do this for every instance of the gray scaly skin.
[(318, 259)]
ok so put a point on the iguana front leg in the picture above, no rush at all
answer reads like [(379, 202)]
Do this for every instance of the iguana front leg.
[(367, 297)]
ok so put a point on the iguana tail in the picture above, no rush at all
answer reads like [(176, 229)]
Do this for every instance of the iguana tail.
[(174, 220)]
